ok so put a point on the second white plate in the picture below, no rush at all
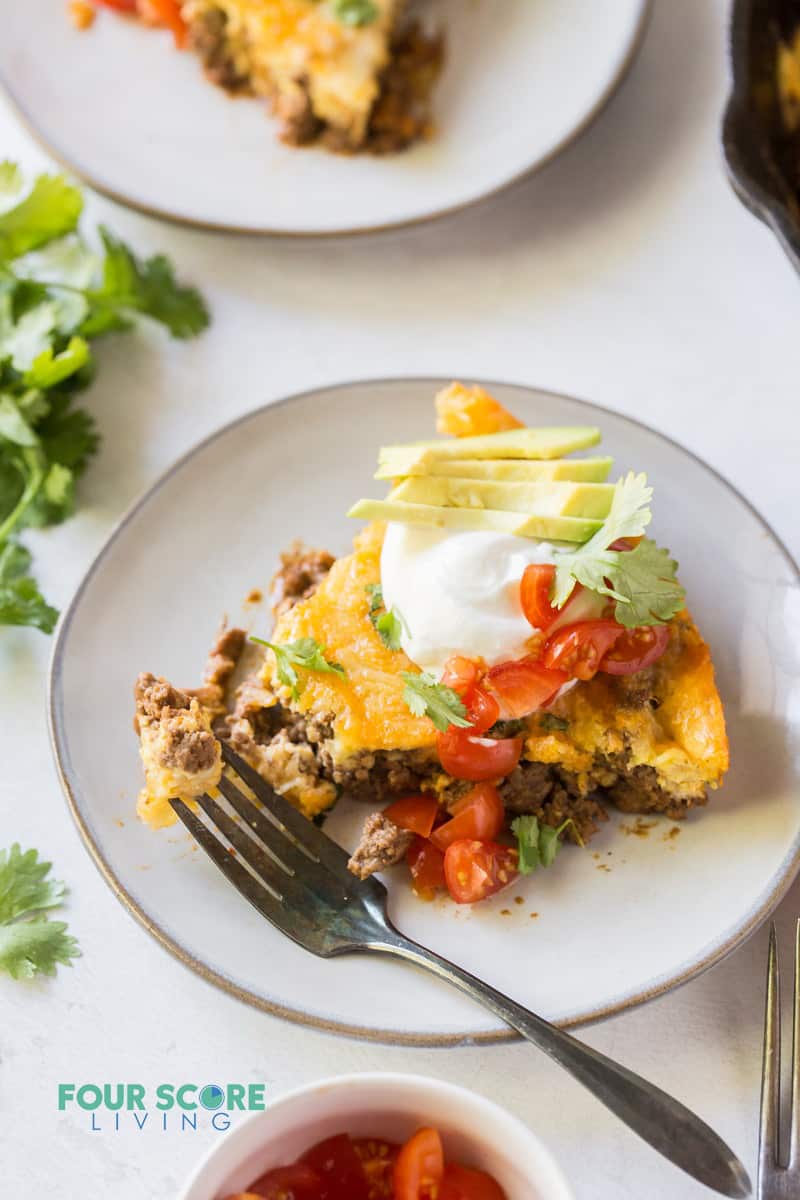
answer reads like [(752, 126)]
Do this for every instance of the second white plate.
[(604, 928), (522, 78)]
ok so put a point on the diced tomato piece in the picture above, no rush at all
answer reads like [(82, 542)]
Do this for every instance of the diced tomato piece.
[(289, 1183), (477, 759), (460, 673), (475, 870), (460, 1183), (426, 864), (636, 649), (625, 544), (130, 6), (479, 814), (420, 1167), (483, 709), (524, 685), (534, 594), (169, 12), (336, 1161), (417, 814), (580, 648), (378, 1158)]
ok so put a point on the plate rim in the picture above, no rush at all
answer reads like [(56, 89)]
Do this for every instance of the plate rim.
[(88, 177), (740, 933)]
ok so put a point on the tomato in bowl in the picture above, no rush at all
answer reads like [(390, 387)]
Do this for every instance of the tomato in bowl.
[(483, 1147)]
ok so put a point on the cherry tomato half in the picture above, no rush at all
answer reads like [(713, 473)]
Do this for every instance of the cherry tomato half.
[(377, 1159), (420, 1166), (417, 814), (580, 648), (460, 1183), (289, 1183), (336, 1161), (477, 759), (524, 686), (475, 870), (534, 594), (479, 814), (426, 864), (636, 649)]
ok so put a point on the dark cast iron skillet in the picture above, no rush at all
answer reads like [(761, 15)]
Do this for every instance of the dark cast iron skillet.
[(757, 153)]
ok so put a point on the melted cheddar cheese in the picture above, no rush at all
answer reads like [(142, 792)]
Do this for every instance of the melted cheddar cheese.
[(683, 738), (367, 708)]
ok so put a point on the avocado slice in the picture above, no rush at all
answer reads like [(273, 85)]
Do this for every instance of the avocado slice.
[(533, 525), (589, 470), (557, 498), (530, 442)]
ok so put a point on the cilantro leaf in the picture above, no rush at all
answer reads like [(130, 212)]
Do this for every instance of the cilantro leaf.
[(375, 593), (21, 602), (68, 435), (23, 884), (49, 368), (51, 209), (425, 697), (355, 12), (34, 947), (148, 287), (304, 653), (30, 943), (389, 626), (642, 581), (537, 843)]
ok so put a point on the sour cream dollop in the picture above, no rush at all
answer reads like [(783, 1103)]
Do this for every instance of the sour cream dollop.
[(458, 593)]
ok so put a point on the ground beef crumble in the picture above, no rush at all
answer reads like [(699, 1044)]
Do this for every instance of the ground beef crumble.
[(298, 577), (160, 704), (382, 845)]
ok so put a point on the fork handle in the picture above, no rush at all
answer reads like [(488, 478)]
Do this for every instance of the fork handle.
[(668, 1126)]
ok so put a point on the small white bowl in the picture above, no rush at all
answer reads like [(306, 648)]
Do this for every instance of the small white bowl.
[(475, 1131)]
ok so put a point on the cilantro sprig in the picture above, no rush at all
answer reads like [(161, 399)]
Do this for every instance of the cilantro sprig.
[(642, 581), (427, 698), (57, 294), (30, 943), (355, 12), (304, 653), (389, 623), (537, 843)]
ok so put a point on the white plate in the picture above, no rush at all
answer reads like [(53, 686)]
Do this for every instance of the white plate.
[(138, 121), (618, 923)]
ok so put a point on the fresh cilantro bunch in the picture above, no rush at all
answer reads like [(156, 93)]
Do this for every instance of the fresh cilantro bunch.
[(56, 295), (537, 843), (642, 580), (30, 943), (304, 653)]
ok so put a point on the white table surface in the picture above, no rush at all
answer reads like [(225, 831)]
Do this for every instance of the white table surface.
[(627, 273)]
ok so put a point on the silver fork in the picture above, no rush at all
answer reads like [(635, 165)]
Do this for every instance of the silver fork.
[(778, 1173), (297, 878)]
